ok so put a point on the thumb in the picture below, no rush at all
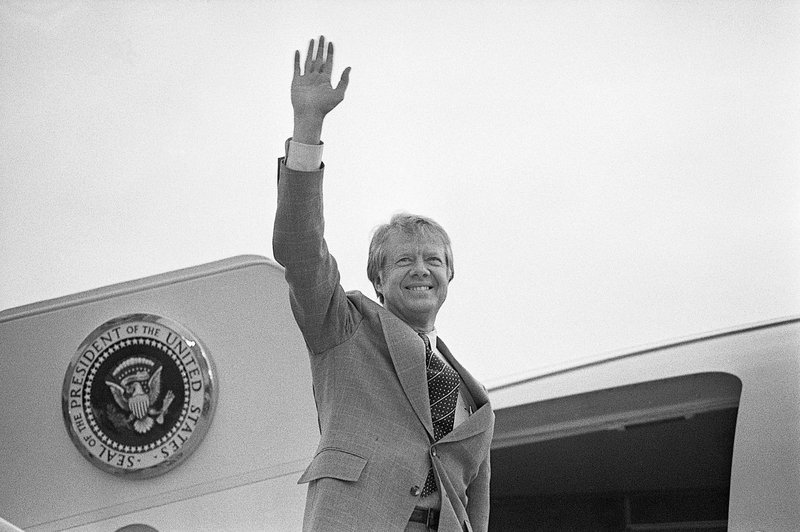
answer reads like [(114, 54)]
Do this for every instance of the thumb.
[(343, 82)]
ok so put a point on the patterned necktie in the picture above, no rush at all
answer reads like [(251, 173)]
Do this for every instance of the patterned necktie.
[(443, 383)]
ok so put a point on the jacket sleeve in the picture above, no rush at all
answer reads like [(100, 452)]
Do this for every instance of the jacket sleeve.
[(320, 306), (478, 497)]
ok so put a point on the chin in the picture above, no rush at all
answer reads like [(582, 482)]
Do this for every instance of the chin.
[(423, 310)]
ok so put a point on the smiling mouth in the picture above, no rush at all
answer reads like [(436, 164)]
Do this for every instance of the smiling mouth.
[(419, 288)]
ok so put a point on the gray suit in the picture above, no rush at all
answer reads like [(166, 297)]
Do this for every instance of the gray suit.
[(370, 388)]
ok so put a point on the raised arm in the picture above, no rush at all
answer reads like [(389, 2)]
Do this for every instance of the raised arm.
[(313, 96), (319, 303)]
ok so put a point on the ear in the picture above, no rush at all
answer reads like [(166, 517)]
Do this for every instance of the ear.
[(377, 284)]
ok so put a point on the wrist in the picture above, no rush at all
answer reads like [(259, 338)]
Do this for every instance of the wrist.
[(307, 129)]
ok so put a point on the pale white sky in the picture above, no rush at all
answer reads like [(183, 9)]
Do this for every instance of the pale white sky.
[(611, 173)]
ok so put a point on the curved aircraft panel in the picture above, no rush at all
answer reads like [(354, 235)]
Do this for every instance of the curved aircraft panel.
[(701, 433), (263, 431)]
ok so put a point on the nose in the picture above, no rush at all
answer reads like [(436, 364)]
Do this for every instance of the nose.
[(419, 268)]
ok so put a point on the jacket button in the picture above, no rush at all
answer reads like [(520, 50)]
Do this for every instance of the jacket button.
[(433, 451), (415, 491)]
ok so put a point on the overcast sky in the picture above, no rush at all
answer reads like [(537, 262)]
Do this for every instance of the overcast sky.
[(611, 173)]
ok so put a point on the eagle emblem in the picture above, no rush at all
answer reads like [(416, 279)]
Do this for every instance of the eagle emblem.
[(139, 395), (136, 387)]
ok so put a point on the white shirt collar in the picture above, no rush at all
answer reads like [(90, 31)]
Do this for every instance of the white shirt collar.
[(432, 337)]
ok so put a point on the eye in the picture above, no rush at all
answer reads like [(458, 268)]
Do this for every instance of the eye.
[(435, 261), (403, 261)]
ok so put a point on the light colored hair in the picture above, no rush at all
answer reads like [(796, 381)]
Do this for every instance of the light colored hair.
[(408, 224)]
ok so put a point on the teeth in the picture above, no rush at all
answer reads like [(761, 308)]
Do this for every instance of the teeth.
[(419, 288)]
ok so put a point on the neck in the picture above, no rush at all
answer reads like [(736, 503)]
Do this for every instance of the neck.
[(425, 326)]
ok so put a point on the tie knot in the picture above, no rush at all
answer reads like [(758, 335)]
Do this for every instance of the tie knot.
[(427, 342)]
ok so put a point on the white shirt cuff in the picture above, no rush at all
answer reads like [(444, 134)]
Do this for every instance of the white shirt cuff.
[(303, 157)]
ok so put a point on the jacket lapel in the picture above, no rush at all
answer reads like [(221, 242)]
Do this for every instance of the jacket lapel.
[(480, 421), (408, 356), (483, 418), (476, 389)]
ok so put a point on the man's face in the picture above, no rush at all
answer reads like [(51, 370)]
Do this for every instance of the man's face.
[(414, 279)]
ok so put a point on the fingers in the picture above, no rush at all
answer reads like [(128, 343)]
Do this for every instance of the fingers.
[(320, 50), (318, 63), (328, 65), (343, 82), (309, 56)]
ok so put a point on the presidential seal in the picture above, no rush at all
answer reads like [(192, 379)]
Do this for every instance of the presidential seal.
[(139, 395)]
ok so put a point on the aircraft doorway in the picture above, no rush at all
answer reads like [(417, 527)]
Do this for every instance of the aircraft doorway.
[(650, 456)]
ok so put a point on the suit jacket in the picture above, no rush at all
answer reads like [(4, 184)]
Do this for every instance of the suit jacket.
[(370, 387)]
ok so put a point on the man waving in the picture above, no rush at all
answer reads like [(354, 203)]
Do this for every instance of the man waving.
[(405, 430)]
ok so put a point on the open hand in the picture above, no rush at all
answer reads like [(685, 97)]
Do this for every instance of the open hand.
[(313, 96)]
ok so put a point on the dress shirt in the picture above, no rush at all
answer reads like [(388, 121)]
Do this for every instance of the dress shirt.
[(303, 157)]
